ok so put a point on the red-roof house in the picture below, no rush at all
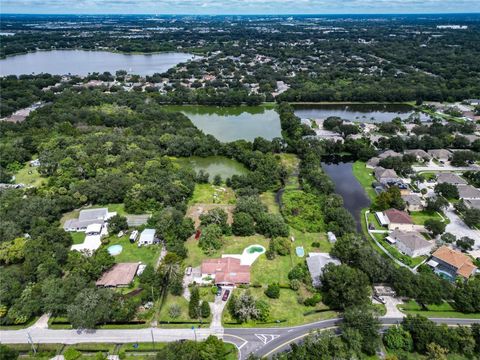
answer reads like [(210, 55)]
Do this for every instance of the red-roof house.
[(399, 220), (226, 271)]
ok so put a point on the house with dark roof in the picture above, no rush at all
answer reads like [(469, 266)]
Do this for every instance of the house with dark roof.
[(225, 271), (410, 243), (398, 220), (449, 263), (451, 178), (385, 176), (413, 202)]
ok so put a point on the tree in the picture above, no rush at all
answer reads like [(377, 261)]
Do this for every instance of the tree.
[(243, 307), (12, 252), (472, 217), (430, 289), (448, 191), (344, 286), (363, 320), (194, 303), (243, 224), (436, 227), (211, 239), (251, 205), (217, 180), (465, 243), (117, 223), (272, 225), (204, 309), (263, 310), (91, 307), (273, 291), (467, 296), (397, 338), (436, 352), (436, 204), (422, 330), (7, 353), (392, 198), (461, 158), (448, 238), (216, 216)]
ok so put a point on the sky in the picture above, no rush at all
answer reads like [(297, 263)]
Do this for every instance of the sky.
[(214, 7)]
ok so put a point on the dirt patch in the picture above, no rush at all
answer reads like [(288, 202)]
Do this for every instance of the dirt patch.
[(196, 210)]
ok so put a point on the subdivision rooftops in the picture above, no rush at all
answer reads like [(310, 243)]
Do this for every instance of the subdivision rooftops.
[(398, 217), (410, 239)]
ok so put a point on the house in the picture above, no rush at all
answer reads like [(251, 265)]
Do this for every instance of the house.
[(331, 237), (451, 178), (373, 163), (419, 154), (88, 217), (389, 153), (399, 220), (474, 102), (410, 243), (94, 229), (468, 192), (316, 262), (119, 275), (385, 176), (413, 202), (225, 271), (450, 263), (147, 237), (473, 204), (440, 154), (382, 219)]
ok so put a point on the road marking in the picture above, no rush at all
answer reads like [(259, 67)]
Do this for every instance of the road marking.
[(266, 338)]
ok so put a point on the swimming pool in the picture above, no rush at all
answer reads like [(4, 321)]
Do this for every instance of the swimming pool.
[(115, 249), (255, 249), (300, 251), (445, 275)]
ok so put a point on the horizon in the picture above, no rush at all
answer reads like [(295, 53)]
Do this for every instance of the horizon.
[(239, 7)]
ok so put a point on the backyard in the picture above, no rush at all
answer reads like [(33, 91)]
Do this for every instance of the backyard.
[(365, 178), (29, 176), (211, 194), (132, 253)]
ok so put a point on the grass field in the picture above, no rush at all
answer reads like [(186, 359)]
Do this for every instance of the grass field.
[(205, 194), (78, 237), (132, 253), (302, 211), (419, 217), (445, 310), (365, 178), (29, 176), (268, 198)]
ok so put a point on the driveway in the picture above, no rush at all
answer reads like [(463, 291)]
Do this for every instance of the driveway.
[(217, 308), (458, 228), (391, 304)]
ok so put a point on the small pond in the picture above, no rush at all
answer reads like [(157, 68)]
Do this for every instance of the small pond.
[(234, 123), (367, 113), (115, 250), (215, 165), (82, 62), (347, 186)]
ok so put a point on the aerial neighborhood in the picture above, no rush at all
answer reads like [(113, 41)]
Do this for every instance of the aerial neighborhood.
[(239, 187)]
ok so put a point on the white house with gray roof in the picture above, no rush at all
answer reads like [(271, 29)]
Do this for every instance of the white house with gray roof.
[(413, 202), (316, 262), (88, 217), (410, 243), (468, 192)]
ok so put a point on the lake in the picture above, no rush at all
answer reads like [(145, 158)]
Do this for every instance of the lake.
[(215, 165), (368, 113), (233, 123), (347, 186), (82, 62)]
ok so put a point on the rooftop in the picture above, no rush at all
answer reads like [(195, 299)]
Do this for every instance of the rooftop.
[(410, 239), (227, 270), (120, 274), (461, 262), (412, 199), (468, 192), (450, 178), (398, 217)]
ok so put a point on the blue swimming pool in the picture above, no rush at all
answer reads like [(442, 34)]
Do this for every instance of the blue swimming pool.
[(445, 275), (300, 251), (115, 249)]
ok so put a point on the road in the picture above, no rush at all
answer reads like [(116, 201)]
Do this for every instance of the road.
[(458, 228), (260, 341)]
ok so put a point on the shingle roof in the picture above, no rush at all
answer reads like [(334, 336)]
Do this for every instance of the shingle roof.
[(118, 275), (460, 261), (450, 178), (381, 173), (440, 153), (398, 217), (418, 152), (389, 153), (412, 199), (93, 214), (410, 239), (316, 262), (227, 270), (468, 192)]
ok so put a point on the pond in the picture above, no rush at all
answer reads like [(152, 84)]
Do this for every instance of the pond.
[(215, 165), (234, 123), (82, 62), (347, 186), (368, 113)]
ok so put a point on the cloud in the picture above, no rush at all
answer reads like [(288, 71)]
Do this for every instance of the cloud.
[(238, 6)]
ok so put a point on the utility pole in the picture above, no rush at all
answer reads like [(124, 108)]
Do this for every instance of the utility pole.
[(29, 338)]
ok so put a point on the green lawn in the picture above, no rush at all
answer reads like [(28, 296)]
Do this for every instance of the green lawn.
[(285, 308), (29, 176), (132, 253), (204, 194), (268, 198), (291, 162), (365, 178), (445, 310), (419, 217), (372, 219), (78, 237), (163, 314)]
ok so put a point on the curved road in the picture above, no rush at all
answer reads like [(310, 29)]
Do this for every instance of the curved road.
[(260, 341)]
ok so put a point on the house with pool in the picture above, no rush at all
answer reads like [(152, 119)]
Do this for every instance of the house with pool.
[(451, 264)]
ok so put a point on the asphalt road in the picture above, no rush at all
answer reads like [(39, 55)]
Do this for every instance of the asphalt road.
[(260, 341)]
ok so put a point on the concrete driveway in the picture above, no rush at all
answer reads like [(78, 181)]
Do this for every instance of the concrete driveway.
[(458, 228)]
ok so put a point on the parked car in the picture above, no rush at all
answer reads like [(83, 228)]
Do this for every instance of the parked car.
[(189, 271), (219, 290), (225, 295)]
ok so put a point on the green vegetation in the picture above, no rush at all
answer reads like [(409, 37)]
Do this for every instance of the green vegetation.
[(29, 176), (132, 253), (444, 310), (302, 210), (365, 178), (211, 194), (419, 217)]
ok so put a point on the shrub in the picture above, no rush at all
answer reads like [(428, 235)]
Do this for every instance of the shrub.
[(174, 311), (295, 284), (205, 309), (312, 301), (273, 291), (71, 354)]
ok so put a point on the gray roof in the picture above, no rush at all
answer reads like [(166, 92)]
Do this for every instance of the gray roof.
[(93, 214), (373, 161), (147, 235), (418, 152), (412, 199), (440, 153), (381, 173), (389, 153), (410, 239), (468, 192), (450, 178), (316, 262), (473, 204)]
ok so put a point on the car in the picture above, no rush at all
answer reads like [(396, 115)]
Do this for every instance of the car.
[(219, 290), (225, 295), (189, 271)]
